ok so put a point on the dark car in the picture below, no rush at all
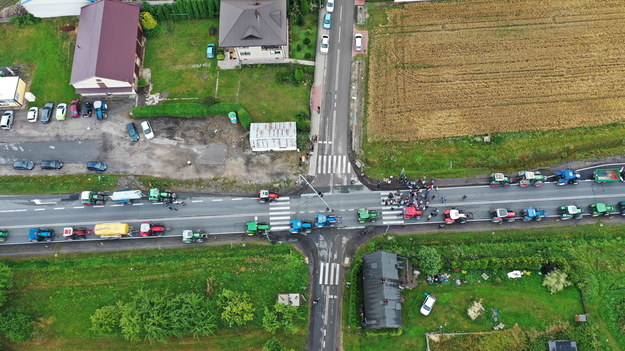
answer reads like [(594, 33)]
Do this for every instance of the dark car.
[(87, 109), (46, 112), (96, 166), (74, 108), (23, 165), (51, 164), (132, 132)]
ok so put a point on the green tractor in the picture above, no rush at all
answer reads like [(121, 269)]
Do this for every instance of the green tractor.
[(194, 236), (257, 228), (3, 235), (367, 216), (570, 212), (527, 178), (601, 209), (499, 179), (157, 195)]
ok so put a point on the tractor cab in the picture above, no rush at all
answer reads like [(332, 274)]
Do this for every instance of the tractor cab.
[(499, 179), (601, 209), (411, 212), (3, 235), (257, 228), (455, 216), (500, 215), (527, 178), (157, 195), (298, 225), (267, 196), (89, 198), (322, 220), (570, 212), (76, 233), (568, 176), (193, 236)]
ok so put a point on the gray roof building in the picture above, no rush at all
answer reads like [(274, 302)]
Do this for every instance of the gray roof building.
[(252, 23), (382, 296), (562, 345)]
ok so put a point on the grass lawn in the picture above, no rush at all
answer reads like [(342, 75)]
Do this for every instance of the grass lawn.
[(29, 185), (298, 35), (47, 52), (65, 290)]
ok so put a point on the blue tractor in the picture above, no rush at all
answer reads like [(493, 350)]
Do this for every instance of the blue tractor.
[(322, 220), (568, 176), (297, 225), (535, 214), (38, 234)]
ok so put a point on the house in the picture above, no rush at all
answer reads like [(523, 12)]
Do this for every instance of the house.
[(562, 345), (382, 297), (12, 91), (254, 31), (279, 136), (54, 8), (109, 49)]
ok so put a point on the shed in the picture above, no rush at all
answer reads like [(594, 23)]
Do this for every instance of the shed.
[(562, 345), (279, 136), (382, 297), (12, 91), (54, 8)]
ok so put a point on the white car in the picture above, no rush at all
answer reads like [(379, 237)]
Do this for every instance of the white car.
[(428, 304), (147, 130), (330, 5), (325, 44), (358, 42), (61, 112), (33, 113)]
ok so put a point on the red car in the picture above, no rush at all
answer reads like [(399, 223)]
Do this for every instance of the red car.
[(74, 108)]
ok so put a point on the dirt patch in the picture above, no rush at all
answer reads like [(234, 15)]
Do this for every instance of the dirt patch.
[(68, 28), (256, 260)]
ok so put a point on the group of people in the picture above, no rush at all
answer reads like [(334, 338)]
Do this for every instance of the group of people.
[(438, 278), (420, 195)]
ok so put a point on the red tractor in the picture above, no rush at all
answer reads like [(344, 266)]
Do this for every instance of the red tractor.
[(455, 216), (411, 212), (500, 215), (267, 196), (76, 233), (150, 229)]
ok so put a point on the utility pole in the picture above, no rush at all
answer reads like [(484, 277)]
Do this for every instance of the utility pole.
[(328, 208)]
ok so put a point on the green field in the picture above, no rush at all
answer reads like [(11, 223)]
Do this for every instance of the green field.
[(44, 53), (64, 291), (298, 34), (597, 271)]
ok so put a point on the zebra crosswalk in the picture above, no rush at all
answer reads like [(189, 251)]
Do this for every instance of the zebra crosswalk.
[(329, 273), (280, 213), (390, 216), (333, 164)]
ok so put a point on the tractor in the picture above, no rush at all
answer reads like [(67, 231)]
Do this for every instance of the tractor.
[(500, 215), (535, 214), (411, 212), (455, 216), (297, 225), (194, 236), (166, 196), (265, 196), (621, 208), (322, 220), (92, 198), (257, 228), (3, 235), (367, 216), (527, 178), (570, 212), (568, 176), (76, 233), (100, 109), (601, 209), (149, 229), (499, 179), (39, 234)]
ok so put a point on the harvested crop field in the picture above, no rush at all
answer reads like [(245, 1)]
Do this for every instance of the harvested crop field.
[(445, 69)]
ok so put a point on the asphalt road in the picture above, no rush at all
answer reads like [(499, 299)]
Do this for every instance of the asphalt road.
[(66, 151)]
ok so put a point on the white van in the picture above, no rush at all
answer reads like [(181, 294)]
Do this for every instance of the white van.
[(7, 120)]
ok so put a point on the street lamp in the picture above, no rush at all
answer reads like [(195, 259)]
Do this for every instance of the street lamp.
[(318, 193)]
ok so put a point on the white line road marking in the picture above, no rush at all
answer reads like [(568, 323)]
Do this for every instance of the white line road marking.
[(280, 228), (351, 209), (157, 203), (237, 199), (338, 270), (279, 208), (394, 212), (281, 213), (40, 209), (280, 223), (117, 205), (279, 218), (327, 276), (59, 208), (79, 206), (197, 200), (139, 204), (98, 206), (217, 200), (393, 222), (5, 211), (331, 275), (321, 267)]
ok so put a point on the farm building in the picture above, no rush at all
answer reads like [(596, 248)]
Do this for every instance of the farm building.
[(54, 8), (109, 49), (279, 136), (12, 91), (562, 345), (254, 31), (382, 296)]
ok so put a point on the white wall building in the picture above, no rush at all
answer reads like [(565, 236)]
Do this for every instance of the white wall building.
[(279, 136)]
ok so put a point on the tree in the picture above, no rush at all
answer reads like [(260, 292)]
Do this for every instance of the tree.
[(105, 319), (272, 344), (429, 260), (556, 281), (147, 21), (281, 316), (6, 281), (237, 309), (304, 7)]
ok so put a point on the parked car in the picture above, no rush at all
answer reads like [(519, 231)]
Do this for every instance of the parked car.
[(327, 21), (33, 112), (358, 42), (51, 164), (87, 109), (428, 304), (96, 166), (61, 112), (147, 130), (330, 5), (325, 44), (23, 165), (46, 112), (132, 132), (74, 109), (6, 121), (210, 51), (100, 108)]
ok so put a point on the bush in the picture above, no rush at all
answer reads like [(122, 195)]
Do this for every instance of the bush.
[(5, 282), (302, 122), (429, 260), (16, 325), (299, 75), (556, 281), (25, 20), (147, 21), (236, 308), (221, 56), (281, 316), (142, 82), (306, 41), (307, 56)]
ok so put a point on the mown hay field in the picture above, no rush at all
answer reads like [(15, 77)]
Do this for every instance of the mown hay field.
[(446, 69)]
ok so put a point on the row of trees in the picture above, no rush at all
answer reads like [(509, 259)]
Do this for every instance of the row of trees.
[(185, 9)]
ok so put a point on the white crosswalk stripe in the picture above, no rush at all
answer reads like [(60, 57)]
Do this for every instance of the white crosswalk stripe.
[(329, 273), (390, 216), (333, 164), (280, 214)]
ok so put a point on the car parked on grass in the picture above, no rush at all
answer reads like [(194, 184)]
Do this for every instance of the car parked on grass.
[(358, 42), (23, 165), (132, 132), (210, 51), (325, 44), (61, 112), (327, 21), (147, 130), (87, 109), (51, 164), (46, 112), (428, 304), (33, 112), (96, 166), (74, 109), (330, 5)]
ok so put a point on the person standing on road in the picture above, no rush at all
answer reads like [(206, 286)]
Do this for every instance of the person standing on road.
[(464, 197)]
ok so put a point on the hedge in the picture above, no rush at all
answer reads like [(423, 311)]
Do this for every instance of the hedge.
[(192, 110)]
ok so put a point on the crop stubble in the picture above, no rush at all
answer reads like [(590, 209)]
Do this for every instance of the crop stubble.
[(477, 67)]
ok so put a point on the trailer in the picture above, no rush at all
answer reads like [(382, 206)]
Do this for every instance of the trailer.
[(126, 196), (112, 230), (607, 175)]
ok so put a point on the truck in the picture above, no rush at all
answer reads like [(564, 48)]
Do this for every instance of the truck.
[(601, 209), (499, 179), (39, 234), (607, 175), (158, 195), (527, 178), (297, 225), (194, 236), (92, 198), (322, 220), (112, 230), (126, 196), (567, 176)]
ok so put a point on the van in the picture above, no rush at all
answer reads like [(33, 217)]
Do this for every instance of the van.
[(7, 120), (358, 42)]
